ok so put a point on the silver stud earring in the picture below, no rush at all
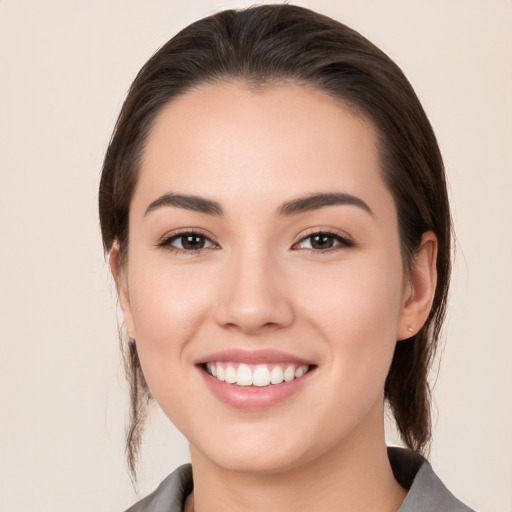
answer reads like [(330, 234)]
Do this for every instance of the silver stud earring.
[(410, 329)]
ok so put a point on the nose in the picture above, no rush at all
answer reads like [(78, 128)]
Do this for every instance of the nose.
[(254, 295)]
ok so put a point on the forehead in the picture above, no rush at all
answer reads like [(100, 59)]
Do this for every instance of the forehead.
[(229, 141)]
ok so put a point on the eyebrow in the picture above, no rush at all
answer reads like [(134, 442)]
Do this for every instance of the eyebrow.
[(321, 200), (187, 202), (293, 207)]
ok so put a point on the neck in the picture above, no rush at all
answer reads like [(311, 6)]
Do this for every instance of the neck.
[(356, 476)]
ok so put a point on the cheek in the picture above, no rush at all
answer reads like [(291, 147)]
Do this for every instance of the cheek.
[(356, 320), (361, 295), (168, 307), (356, 309)]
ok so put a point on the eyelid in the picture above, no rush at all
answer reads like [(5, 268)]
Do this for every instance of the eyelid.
[(164, 241), (344, 239)]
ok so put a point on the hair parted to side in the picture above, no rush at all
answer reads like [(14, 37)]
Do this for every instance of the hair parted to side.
[(260, 46)]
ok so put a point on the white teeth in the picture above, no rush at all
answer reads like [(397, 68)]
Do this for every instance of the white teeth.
[(260, 376), (276, 375), (244, 375), (300, 371), (289, 374), (230, 375)]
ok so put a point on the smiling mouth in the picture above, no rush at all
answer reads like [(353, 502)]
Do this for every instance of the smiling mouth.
[(259, 375)]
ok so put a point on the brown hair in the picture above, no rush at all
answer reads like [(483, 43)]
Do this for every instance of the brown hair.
[(269, 43)]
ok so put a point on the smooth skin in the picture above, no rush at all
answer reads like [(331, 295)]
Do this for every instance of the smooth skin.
[(254, 278)]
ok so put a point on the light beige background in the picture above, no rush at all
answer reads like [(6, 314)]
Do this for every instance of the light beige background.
[(65, 68)]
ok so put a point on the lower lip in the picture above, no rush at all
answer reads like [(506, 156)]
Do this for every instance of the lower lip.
[(253, 397)]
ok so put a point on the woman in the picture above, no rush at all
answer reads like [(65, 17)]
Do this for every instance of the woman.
[(274, 205)]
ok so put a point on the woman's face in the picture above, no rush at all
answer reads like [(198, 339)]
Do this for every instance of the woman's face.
[(263, 243)]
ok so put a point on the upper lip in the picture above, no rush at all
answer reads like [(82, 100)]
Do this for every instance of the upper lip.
[(252, 357)]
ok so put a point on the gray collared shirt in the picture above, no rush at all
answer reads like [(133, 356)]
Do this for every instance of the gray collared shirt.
[(426, 492)]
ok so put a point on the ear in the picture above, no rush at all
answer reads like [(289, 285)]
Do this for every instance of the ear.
[(419, 289), (119, 273)]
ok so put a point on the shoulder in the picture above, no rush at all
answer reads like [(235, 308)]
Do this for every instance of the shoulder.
[(426, 491), (170, 495)]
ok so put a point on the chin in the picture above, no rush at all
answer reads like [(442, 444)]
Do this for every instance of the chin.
[(257, 464), (260, 453)]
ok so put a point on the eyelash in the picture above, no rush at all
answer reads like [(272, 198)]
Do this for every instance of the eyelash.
[(337, 239), (166, 243), (342, 242)]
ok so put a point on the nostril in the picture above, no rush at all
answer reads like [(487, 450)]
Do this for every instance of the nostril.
[(252, 328), (257, 318)]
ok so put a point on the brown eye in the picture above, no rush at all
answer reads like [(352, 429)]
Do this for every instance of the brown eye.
[(192, 242), (323, 242), (188, 242)]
